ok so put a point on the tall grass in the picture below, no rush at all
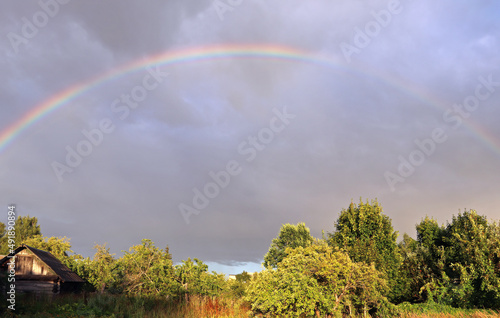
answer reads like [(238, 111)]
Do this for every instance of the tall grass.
[(433, 310), (120, 306), (105, 305)]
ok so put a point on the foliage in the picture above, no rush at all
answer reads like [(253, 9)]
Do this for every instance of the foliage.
[(290, 236), (434, 310), (102, 271), (107, 305), (456, 265), (147, 270), (316, 280), (367, 235), (25, 227), (473, 261), (239, 285), (196, 280), (429, 234), (114, 306), (3, 232), (60, 247), (421, 273)]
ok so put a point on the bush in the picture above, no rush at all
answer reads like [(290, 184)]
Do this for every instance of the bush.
[(316, 280)]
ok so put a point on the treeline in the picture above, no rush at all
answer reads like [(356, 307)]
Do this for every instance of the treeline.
[(144, 269), (358, 268)]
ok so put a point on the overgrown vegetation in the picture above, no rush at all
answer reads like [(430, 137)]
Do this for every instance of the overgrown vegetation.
[(359, 269), (317, 280), (114, 306)]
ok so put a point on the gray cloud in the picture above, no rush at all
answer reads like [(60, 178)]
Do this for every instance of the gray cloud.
[(353, 120)]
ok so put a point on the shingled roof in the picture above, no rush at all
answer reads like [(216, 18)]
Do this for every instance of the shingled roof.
[(55, 265)]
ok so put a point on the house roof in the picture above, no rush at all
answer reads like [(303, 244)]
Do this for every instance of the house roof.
[(61, 270)]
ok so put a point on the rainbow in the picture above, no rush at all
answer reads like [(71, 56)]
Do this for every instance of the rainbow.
[(263, 51)]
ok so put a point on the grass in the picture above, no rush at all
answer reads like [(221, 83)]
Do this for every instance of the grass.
[(115, 306), (119, 306), (433, 310)]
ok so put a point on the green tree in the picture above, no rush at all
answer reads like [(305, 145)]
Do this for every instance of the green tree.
[(239, 284), (196, 280), (421, 272), (290, 236), (25, 228), (494, 245), (2, 232), (316, 280), (367, 235), (60, 247), (473, 261), (420, 275), (147, 270), (457, 265), (429, 234), (102, 271)]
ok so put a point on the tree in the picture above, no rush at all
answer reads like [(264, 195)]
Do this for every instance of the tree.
[(457, 265), (196, 280), (421, 271), (290, 236), (102, 271), (60, 247), (473, 261), (239, 284), (316, 280), (367, 235), (25, 228), (2, 232), (430, 234), (147, 270)]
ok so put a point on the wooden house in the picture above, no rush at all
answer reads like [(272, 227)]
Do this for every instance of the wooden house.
[(38, 271)]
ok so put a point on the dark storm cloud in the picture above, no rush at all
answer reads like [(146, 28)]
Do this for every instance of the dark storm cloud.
[(351, 124)]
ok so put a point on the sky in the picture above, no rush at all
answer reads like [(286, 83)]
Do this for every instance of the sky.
[(206, 125)]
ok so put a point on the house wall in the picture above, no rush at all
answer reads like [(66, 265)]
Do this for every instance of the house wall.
[(28, 264), (34, 286), (42, 287)]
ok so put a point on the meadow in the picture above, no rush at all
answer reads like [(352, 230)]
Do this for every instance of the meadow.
[(119, 306)]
